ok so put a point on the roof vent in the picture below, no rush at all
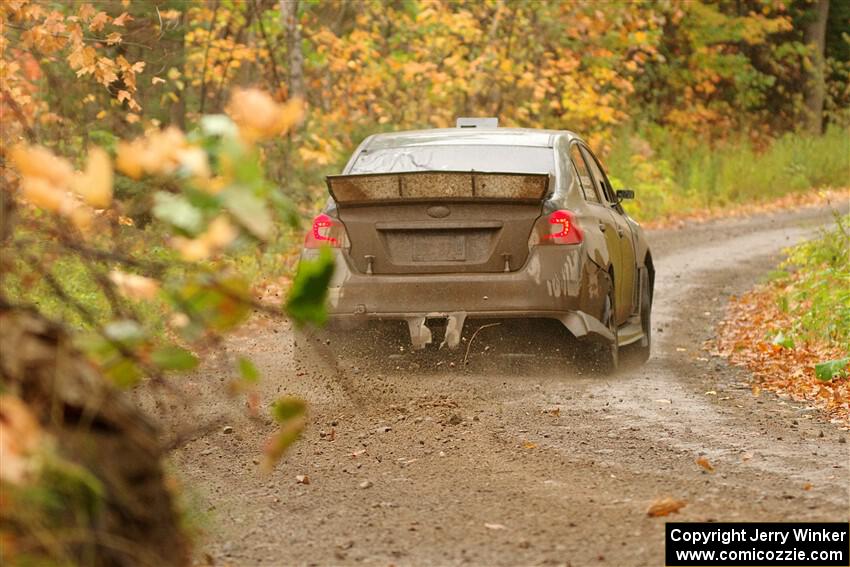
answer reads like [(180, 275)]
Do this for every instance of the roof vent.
[(487, 122)]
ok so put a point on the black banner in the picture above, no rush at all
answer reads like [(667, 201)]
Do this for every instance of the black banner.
[(767, 544)]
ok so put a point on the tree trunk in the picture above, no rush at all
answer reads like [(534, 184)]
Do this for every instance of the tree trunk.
[(289, 17), (131, 519), (815, 35)]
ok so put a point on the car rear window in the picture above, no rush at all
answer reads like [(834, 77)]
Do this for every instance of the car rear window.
[(514, 159)]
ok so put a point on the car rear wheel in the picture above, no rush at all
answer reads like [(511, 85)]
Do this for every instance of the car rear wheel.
[(639, 351), (607, 355)]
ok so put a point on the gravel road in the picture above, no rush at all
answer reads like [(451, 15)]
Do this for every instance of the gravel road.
[(522, 457)]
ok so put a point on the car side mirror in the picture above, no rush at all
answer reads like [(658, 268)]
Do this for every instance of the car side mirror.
[(623, 194)]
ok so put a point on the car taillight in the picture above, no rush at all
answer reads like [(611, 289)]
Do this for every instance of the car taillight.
[(558, 227), (326, 231)]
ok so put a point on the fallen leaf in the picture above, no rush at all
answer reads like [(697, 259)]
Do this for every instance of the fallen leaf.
[(529, 445), (808, 486), (122, 19), (703, 462), (665, 507)]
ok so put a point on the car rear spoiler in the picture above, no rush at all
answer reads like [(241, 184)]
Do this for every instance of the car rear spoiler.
[(430, 185)]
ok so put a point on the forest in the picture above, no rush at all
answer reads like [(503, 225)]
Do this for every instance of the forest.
[(159, 160)]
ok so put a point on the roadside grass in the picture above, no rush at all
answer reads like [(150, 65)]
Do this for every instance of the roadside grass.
[(820, 198), (793, 332), (84, 300), (676, 175), (816, 289)]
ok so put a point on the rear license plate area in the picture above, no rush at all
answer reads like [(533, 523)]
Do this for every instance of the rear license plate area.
[(439, 248)]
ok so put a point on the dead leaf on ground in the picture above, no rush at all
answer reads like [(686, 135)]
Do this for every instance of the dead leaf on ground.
[(808, 486), (665, 507), (529, 445), (703, 462)]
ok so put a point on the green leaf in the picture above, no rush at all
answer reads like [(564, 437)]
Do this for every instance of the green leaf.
[(248, 370), (288, 408), (174, 358), (250, 211), (219, 125), (177, 211), (783, 341), (123, 372), (826, 371), (221, 303), (306, 301), (125, 331)]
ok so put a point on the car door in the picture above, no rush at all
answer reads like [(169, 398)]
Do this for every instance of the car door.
[(624, 273), (599, 211)]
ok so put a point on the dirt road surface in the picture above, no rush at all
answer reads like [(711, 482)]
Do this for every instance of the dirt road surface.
[(522, 457)]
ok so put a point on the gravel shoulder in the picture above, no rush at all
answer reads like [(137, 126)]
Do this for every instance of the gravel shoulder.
[(521, 457)]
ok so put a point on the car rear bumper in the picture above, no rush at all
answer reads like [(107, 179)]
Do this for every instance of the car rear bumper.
[(556, 282)]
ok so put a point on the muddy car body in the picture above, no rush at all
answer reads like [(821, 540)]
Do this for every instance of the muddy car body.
[(485, 223)]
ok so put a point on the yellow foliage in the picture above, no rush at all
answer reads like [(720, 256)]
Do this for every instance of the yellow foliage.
[(158, 153), (259, 117), (43, 194), (82, 217), (191, 249), (220, 233), (134, 286), (94, 185), (37, 161), (218, 236)]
